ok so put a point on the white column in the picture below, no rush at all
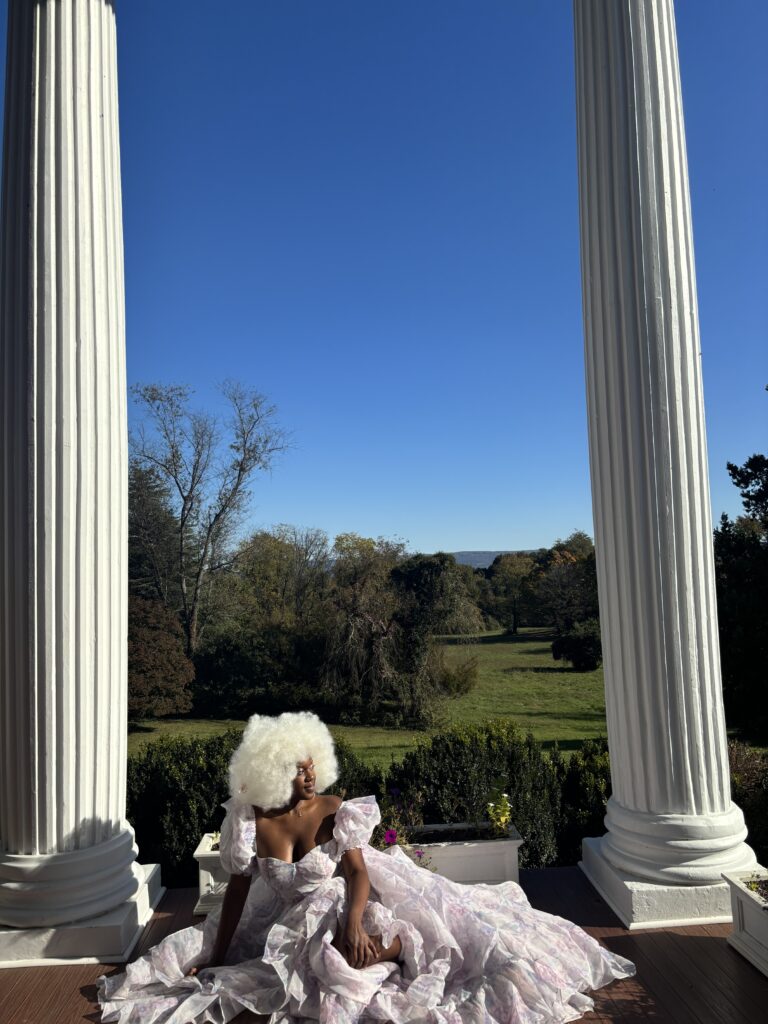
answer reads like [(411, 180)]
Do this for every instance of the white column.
[(672, 828), (66, 850)]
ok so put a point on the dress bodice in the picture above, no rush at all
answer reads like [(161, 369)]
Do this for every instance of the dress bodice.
[(353, 824), (293, 881)]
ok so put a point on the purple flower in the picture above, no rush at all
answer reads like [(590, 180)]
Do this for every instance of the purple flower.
[(419, 854), (390, 836)]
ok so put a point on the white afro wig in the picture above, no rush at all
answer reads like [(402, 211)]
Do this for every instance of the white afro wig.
[(263, 767)]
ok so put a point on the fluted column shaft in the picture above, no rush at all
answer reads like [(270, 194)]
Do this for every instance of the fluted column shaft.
[(671, 815), (66, 851)]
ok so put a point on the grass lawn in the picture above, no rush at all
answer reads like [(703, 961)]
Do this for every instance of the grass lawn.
[(518, 679)]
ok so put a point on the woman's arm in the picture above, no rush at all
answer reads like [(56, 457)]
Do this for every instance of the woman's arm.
[(231, 911), (356, 943)]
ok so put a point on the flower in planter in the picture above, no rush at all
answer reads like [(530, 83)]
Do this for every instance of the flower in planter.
[(421, 858), (759, 886), (390, 836), (215, 840), (500, 815)]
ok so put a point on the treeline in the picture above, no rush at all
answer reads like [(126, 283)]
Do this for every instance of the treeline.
[(347, 628), (222, 626)]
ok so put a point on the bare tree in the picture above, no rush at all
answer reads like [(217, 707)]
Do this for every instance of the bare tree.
[(207, 466)]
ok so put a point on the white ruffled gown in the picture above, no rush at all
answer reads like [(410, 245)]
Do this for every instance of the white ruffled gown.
[(471, 953)]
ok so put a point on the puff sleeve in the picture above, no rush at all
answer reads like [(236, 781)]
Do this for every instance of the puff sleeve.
[(238, 839), (354, 824)]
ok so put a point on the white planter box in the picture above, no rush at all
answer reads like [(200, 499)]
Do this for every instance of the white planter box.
[(750, 921), (473, 860), (212, 876)]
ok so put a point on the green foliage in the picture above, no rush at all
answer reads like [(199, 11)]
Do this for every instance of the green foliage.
[(152, 537), (511, 577), (749, 789), (581, 645), (741, 574), (452, 777), (159, 673), (273, 670), (381, 664), (565, 583), (500, 814), (457, 678), (174, 791), (432, 596), (752, 481), (585, 785)]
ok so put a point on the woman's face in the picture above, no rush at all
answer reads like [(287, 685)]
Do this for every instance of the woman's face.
[(304, 781)]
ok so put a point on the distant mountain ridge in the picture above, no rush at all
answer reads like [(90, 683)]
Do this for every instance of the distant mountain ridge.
[(482, 559)]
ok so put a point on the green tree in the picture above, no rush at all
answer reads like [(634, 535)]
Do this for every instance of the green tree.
[(159, 672), (510, 577), (380, 664), (152, 537), (752, 481), (741, 575), (363, 645), (432, 596), (565, 583)]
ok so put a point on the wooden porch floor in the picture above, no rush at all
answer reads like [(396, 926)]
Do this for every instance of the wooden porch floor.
[(684, 975)]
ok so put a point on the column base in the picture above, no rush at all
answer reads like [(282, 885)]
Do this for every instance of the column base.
[(642, 904), (105, 939)]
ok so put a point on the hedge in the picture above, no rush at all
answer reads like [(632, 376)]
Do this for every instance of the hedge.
[(176, 787)]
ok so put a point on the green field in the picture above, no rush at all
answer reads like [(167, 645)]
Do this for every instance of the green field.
[(518, 679)]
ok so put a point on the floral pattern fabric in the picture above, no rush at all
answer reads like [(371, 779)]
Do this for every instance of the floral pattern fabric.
[(471, 954)]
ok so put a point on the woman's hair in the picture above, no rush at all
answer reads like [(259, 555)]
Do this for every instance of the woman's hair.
[(263, 767)]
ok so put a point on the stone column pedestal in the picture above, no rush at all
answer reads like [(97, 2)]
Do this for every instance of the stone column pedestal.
[(672, 828), (66, 852)]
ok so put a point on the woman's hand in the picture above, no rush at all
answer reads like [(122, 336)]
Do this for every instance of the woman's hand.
[(358, 947)]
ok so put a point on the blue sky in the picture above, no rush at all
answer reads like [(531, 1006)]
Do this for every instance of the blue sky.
[(368, 212)]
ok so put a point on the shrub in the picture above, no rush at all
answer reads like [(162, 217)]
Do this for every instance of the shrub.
[(452, 777), (581, 645), (175, 789), (749, 786), (461, 677), (584, 784)]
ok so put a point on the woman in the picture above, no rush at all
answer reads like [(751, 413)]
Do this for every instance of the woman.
[(380, 939)]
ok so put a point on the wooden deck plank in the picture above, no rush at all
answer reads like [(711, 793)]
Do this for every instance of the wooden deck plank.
[(660, 990)]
